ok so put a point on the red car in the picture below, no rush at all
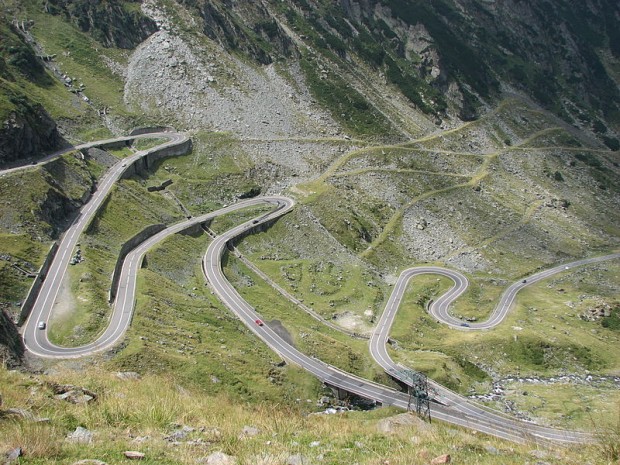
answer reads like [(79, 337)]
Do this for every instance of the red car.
[(259, 322)]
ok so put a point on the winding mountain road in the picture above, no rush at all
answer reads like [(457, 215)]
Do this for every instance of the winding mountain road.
[(453, 408), (36, 340), (439, 309)]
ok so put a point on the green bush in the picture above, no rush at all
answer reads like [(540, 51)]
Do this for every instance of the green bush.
[(612, 322)]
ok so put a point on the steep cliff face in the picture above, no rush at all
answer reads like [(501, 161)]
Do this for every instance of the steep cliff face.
[(446, 56), (248, 27), (26, 129), (560, 53), (11, 345), (113, 23), (450, 59)]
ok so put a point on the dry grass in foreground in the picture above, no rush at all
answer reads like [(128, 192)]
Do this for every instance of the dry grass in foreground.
[(173, 425)]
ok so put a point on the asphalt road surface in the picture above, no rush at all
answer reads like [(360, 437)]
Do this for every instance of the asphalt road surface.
[(450, 407)]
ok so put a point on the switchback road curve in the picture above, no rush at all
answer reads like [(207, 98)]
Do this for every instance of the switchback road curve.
[(36, 340), (457, 410), (440, 310)]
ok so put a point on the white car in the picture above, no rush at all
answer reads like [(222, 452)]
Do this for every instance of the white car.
[(41, 325)]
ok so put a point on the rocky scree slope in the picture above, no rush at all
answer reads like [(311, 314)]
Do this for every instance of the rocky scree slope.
[(316, 68), (448, 58)]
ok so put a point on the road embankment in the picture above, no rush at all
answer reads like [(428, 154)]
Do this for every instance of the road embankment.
[(127, 247), (35, 288)]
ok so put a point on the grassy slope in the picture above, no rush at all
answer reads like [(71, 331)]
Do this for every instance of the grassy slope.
[(169, 299), (543, 336), (125, 418)]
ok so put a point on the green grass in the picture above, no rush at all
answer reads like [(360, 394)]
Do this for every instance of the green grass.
[(91, 134), (81, 58), (329, 288), (26, 253), (78, 56), (225, 222), (180, 326), (53, 190), (145, 143), (543, 336), (123, 152), (413, 327), (569, 405), (308, 335), (346, 104), (215, 173)]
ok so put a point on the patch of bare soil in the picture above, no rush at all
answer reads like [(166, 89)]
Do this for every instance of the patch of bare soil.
[(64, 305), (281, 331)]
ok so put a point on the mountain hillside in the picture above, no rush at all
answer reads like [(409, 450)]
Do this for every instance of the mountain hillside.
[(477, 135)]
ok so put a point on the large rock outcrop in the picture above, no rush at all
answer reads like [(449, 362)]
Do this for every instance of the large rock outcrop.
[(27, 132), (112, 23), (11, 344)]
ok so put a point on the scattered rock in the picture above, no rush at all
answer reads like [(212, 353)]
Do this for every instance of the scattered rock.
[(297, 459), (248, 432), (600, 310), (26, 414), (492, 450), (81, 436), (127, 375), (445, 458), (180, 433), (315, 444), (212, 433), (539, 454), (75, 397), (134, 455), (218, 458), (12, 455), (73, 394), (392, 424)]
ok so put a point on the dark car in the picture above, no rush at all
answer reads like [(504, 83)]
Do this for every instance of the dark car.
[(465, 325)]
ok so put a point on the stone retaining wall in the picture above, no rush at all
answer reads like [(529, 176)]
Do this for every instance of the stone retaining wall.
[(33, 293), (127, 247)]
